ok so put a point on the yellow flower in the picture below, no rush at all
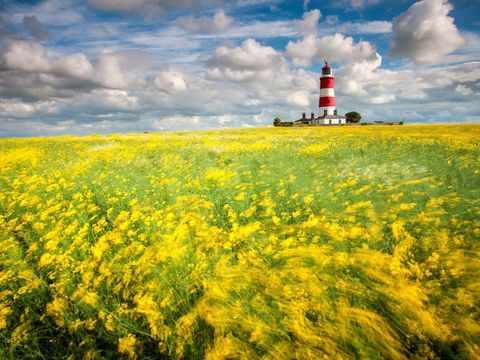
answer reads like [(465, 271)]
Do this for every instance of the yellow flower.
[(359, 205), (56, 309), (90, 298), (126, 345), (308, 199), (4, 312), (218, 177), (406, 207)]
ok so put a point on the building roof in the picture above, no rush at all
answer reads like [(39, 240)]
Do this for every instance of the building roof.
[(331, 117), (303, 120), (326, 65)]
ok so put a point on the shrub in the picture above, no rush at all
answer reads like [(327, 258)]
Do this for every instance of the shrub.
[(353, 117)]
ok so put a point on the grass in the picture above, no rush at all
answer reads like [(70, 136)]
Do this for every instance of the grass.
[(275, 243)]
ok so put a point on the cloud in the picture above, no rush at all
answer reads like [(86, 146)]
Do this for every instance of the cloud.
[(249, 62), (36, 30), (75, 65), (51, 12), (32, 71), (360, 4), (141, 6), (382, 99), (100, 101), (425, 33), (253, 84), (421, 93), (109, 71), (299, 98), (153, 8), (464, 90), (220, 21), (206, 103), (335, 47), (171, 81), (19, 109), (251, 55), (256, 29), (367, 27), (32, 57), (296, 27), (352, 87), (242, 3), (356, 77), (25, 56), (309, 21)]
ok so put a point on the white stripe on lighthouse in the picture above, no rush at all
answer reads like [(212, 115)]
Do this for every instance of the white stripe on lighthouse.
[(330, 110), (327, 92)]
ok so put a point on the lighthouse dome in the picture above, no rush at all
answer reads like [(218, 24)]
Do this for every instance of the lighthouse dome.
[(327, 70)]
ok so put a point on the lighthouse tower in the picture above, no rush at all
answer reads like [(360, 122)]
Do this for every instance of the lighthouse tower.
[(328, 111), (327, 92)]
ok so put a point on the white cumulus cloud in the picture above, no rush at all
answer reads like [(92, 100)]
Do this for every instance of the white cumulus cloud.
[(425, 33), (76, 65), (309, 21), (299, 98), (335, 47), (25, 56), (251, 61), (220, 21), (251, 55), (171, 81)]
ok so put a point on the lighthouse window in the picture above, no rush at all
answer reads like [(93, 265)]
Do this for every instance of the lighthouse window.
[(326, 71)]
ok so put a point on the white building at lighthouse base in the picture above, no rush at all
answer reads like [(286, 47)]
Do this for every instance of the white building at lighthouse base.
[(325, 119)]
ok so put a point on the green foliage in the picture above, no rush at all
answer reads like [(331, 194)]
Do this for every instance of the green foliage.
[(353, 117), (277, 121)]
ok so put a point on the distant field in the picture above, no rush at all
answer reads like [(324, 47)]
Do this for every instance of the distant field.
[(275, 243)]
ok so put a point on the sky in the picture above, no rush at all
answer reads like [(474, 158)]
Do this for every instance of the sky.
[(118, 66)]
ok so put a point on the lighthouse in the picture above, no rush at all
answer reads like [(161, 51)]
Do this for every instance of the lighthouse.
[(328, 111), (327, 91)]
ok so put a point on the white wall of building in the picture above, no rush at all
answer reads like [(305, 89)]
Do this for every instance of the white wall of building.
[(330, 110), (331, 121)]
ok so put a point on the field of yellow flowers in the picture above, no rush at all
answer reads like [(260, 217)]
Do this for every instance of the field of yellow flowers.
[(272, 243)]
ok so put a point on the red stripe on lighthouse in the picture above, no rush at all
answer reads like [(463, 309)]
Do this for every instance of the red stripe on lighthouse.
[(326, 82), (327, 101)]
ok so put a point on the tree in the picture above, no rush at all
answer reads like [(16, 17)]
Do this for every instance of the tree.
[(277, 121), (353, 117)]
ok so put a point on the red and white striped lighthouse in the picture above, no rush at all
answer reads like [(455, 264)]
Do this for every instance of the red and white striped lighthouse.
[(327, 92)]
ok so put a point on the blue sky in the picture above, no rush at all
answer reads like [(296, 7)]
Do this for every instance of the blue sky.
[(105, 66)]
